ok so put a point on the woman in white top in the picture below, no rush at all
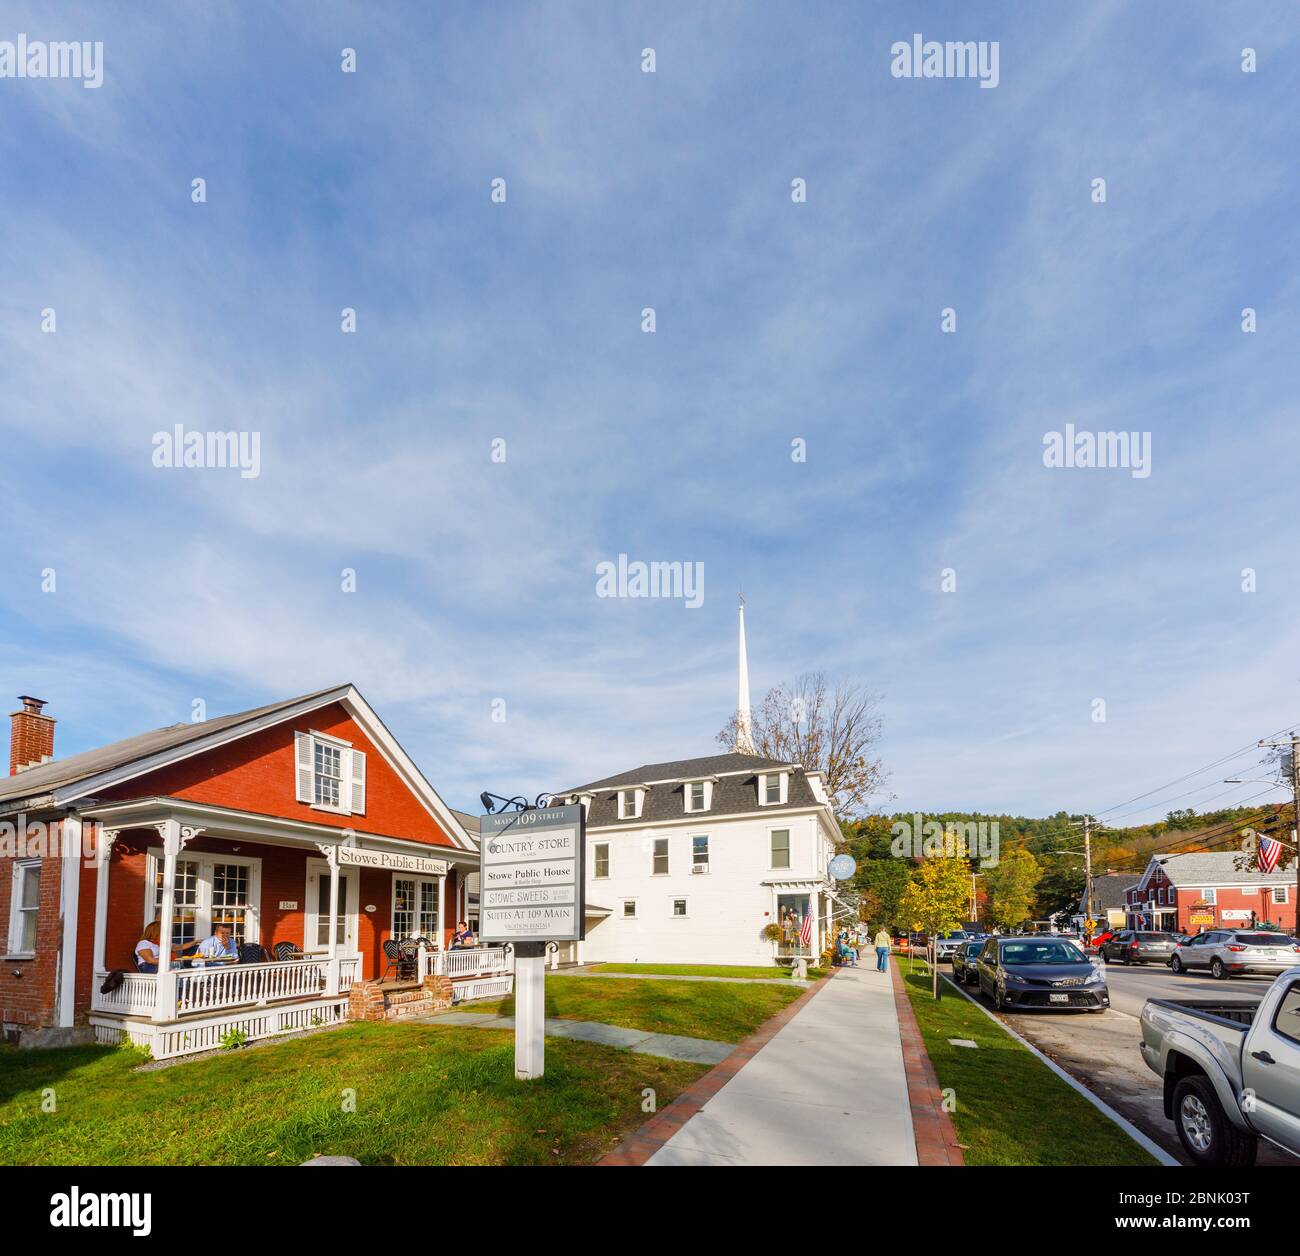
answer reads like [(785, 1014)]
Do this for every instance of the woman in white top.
[(146, 950)]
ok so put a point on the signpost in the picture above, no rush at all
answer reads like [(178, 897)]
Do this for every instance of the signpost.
[(531, 892)]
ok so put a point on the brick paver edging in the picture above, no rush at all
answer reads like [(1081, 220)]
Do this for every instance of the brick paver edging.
[(936, 1140), (639, 1146)]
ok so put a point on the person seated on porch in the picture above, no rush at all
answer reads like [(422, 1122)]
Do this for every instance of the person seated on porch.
[(146, 950), (218, 949), (462, 939)]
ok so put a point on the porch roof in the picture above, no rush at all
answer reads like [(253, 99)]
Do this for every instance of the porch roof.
[(226, 822)]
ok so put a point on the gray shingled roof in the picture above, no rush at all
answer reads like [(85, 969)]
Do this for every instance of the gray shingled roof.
[(682, 769), (1218, 867), (732, 794), (38, 781), (469, 822), (1109, 889)]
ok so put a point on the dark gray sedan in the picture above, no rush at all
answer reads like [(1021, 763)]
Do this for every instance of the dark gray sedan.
[(1129, 946), (1041, 972), (964, 959)]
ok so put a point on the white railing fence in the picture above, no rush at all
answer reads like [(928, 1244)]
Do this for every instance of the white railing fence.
[(202, 989), (479, 961), (136, 996)]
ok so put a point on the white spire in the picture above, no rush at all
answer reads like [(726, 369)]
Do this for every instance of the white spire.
[(744, 721)]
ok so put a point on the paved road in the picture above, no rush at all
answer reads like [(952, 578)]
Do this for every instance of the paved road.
[(1100, 1049)]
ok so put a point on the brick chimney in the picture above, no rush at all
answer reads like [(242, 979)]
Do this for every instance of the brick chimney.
[(31, 735)]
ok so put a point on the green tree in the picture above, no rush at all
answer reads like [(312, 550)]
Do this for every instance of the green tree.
[(937, 899), (1011, 886), (883, 882)]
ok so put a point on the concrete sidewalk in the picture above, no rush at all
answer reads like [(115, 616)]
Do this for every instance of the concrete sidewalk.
[(828, 1088), (642, 1041)]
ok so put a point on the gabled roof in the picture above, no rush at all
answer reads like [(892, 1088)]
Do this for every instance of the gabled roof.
[(1109, 889), (78, 767), (683, 770), (64, 781), (1213, 867), (735, 790)]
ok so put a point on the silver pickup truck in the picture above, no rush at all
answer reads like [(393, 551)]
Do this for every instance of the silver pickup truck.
[(1231, 1070)]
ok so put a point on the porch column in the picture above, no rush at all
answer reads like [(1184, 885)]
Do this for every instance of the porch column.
[(332, 965), (104, 840), (814, 934), (442, 907), (165, 1004)]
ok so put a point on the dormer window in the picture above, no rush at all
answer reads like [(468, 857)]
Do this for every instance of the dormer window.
[(772, 788), (629, 803), (330, 775), (698, 795)]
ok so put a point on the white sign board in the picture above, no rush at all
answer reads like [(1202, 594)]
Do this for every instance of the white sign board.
[(530, 875), (356, 857), (1235, 914)]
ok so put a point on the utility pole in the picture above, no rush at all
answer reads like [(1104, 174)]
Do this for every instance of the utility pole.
[(1087, 823), (1292, 744)]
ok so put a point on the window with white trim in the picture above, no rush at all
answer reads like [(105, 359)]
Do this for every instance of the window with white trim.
[(601, 861), (700, 852), (771, 789), (1210, 896), (659, 861), (629, 909), (209, 890), (629, 803), (1280, 894), (415, 908), (698, 795), (24, 907), (679, 909), (329, 774), (780, 848)]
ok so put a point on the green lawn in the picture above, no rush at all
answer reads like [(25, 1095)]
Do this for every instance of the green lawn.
[(693, 970), (424, 1094), (1011, 1108), (697, 1009)]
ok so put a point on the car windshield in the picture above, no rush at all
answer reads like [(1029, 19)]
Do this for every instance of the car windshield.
[(974, 948), (1042, 953), (1265, 939)]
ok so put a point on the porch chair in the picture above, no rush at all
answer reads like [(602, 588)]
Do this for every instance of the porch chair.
[(252, 953), (392, 953), (408, 958), (287, 951)]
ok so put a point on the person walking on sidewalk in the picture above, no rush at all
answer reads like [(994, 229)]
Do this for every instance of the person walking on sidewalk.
[(883, 942)]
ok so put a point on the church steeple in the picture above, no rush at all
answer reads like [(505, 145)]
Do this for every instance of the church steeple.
[(744, 721)]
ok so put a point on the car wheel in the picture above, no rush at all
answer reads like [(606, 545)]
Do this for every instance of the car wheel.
[(1176, 964), (1217, 969), (1204, 1131), (998, 1003)]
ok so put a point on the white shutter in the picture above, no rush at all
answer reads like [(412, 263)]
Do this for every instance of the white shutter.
[(305, 766), (357, 807)]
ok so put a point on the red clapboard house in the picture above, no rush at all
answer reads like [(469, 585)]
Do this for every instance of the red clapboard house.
[(1207, 890), (274, 821)]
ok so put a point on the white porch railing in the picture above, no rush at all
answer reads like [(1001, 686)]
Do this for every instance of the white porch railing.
[(136, 996), (478, 961), (199, 990), (202, 989)]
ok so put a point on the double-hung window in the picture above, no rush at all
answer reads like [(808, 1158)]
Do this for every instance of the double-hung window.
[(330, 774), (601, 850), (24, 907), (659, 866), (780, 848), (1280, 893), (700, 852)]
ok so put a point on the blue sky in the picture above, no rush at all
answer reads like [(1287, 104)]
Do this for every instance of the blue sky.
[(775, 321)]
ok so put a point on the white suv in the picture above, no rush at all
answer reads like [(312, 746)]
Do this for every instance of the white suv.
[(1233, 952)]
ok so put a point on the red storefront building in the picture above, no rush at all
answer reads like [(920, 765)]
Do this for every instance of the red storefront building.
[(1207, 890), (303, 825)]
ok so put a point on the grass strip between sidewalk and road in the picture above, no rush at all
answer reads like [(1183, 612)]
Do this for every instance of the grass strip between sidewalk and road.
[(1011, 1109), (693, 1009)]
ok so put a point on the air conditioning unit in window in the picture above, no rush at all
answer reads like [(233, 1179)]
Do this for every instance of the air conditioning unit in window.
[(698, 868)]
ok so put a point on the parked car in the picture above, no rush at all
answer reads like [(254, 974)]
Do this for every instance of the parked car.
[(1234, 952), (1132, 946), (945, 944), (1041, 971), (1231, 1070), (964, 959), (1100, 938)]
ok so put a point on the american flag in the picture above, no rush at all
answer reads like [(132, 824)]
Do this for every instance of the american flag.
[(805, 930), (1269, 853)]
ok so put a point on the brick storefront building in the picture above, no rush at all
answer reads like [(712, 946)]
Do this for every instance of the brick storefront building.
[(1206, 890)]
